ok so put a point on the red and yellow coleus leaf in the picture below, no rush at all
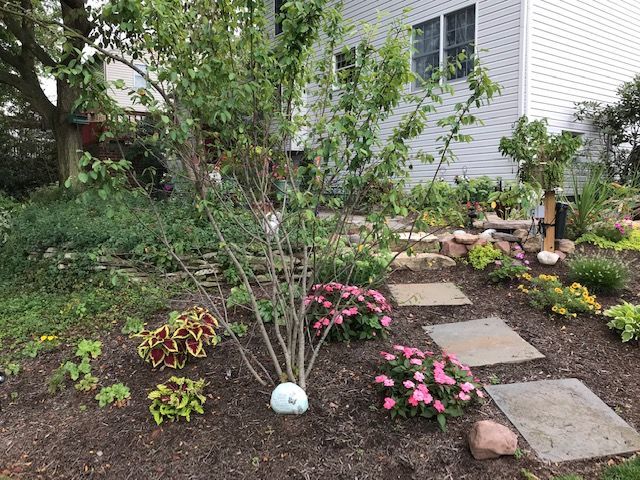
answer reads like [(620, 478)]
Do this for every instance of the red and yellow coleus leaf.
[(157, 356)]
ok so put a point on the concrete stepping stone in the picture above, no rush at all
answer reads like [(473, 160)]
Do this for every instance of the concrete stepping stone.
[(482, 342), (427, 294), (563, 420)]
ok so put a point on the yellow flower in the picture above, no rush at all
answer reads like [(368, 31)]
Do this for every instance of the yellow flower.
[(494, 204), (43, 338), (526, 276), (598, 306), (562, 311), (557, 290), (51, 338), (525, 290), (554, 308), (574, 315), (576, 285), (360, 247)]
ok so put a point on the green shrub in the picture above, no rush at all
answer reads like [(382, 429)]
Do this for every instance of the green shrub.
[(629, 470), (626, 319), (361, 266), (482, 256), (178, 397), (604, 274)]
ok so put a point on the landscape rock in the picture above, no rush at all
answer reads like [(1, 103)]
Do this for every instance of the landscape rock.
[(507, 237), (459, 232), (488, 233), (521, 234), (488, 439), (422, 261), (465, 238), (482, 241), (532, 245), (548, 258), (565, 246), (451, 248), (503, 246), (419, 242), (561, 255)]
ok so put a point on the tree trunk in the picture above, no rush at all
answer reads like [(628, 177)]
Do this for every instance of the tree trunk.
[(68, 136), (68, 148)]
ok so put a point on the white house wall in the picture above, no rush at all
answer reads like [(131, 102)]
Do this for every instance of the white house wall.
[(579, 50), (498, 31), (119, 71)]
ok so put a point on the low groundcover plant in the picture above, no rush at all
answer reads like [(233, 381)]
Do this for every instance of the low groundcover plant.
[(356, 312), (417, 383), (547, 292)]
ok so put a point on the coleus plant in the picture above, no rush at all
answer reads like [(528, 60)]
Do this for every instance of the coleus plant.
[(178, 397), (186, 335)]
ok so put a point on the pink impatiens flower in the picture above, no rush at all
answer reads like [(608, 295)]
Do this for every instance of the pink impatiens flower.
[(463, 396), (385, 321), (419, 376), (479, 393), (415, 361), (389, 403), (387, 356), (466, 387), (408, 384), (438, 406), (381, 378)]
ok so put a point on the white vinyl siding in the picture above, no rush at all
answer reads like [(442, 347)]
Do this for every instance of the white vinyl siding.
[(497, 31), (579, 50)]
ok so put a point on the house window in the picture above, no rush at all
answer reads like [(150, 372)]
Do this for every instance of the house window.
[(459, 35), (345, 63), (140, 81), (278, 15), (426, 45)]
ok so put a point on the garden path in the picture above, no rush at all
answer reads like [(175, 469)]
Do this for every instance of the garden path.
[(561, 419)]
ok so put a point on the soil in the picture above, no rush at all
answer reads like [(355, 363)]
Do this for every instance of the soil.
[(344, 435)]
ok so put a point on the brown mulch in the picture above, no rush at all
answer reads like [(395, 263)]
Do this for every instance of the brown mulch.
[(345, 434)]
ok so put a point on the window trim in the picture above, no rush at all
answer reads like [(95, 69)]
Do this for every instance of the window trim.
[(475, 33), (276, 12), (442, 16), (137, 76), (336, 70)]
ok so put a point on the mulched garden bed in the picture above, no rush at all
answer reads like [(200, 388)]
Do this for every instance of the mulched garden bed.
[(345, 435)]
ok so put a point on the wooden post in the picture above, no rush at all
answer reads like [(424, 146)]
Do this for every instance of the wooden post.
[(550, 221)]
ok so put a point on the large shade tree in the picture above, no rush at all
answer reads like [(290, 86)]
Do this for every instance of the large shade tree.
[(28, 51)]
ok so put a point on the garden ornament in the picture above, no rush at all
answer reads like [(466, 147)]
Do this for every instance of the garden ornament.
[(289, 399)]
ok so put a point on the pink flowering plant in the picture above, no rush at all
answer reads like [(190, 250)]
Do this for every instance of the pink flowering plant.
[(347, 311), (417, 383)]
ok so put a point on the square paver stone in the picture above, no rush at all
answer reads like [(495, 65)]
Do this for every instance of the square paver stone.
[(427, 294), (482, 342), (564, 420)]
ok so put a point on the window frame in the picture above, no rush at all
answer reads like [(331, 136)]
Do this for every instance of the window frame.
[(137, 77), (417, 83), (471, 43), (415, 86), (277, 11), (336, 71)]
